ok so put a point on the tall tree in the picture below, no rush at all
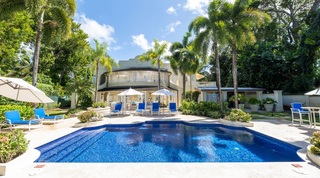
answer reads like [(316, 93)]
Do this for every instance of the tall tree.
[(183, 60), (155, 55), (52, 16), (289, 15), (100, 56), (239, 20), (209, 33), (16, 34), (68, 56)]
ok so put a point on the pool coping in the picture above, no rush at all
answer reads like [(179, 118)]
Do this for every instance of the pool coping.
[(280, 129)]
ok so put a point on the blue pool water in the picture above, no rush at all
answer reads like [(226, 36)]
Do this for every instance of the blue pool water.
[(167, 142)]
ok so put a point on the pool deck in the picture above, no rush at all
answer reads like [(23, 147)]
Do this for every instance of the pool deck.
[(24, 165)]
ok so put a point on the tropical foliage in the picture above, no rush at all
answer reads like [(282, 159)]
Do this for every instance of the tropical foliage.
[(155, 55), (52, 17), (209, 32), (183, 60), (100, 56)]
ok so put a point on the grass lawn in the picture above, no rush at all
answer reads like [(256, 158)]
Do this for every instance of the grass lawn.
[(56, 111), (271, 115)]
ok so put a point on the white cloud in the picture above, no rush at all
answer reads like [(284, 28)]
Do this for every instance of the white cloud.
[(116, 48), (172, 10), (171, 27), (141, 41), (197, 6), (101, 32)]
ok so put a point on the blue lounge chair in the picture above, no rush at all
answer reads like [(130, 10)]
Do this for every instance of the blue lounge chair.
[(155, 108), (41, 114), (117, 109), (296, 109), (141, 108), (14, 118), (173, 108)]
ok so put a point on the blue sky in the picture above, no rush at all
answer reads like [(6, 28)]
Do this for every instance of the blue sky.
[(130, 26)]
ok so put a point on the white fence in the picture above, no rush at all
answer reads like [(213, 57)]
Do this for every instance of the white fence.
[(304, 99)]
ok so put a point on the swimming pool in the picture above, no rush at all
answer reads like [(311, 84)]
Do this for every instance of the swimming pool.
[(167, 141)]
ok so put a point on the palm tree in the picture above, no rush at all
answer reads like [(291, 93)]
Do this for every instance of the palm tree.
[(52, 16), (209, 32), (194, 62), (81, 87), (100, 56), (154, 55), (183, 60), (239, 20)]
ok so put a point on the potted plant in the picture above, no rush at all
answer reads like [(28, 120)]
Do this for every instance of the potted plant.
[(314, 149), (241, 100), (268, 104), (254, 104)]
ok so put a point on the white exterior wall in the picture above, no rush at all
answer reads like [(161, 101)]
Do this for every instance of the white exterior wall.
[(132, 78), (304, 99)]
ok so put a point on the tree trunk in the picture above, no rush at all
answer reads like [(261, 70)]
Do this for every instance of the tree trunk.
[(218, 75), (96, 88), (183, 86), (159, 75), (37, 50), (234, 72), (190, 88)]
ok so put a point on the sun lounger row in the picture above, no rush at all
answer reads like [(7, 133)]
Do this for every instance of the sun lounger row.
[(141, 109), (13, 118)]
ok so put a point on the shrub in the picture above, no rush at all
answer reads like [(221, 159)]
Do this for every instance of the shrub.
[(195, 95), (99, 104), (12, 144), (241, 98), (239, 115), (253, 101), (315, 141), (89, 116)]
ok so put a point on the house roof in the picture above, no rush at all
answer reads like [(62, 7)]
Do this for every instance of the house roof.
[(140, 87), (230, 89), (141, 69)]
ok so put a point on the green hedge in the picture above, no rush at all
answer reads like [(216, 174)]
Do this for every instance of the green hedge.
[(203, 108), (25, 111)]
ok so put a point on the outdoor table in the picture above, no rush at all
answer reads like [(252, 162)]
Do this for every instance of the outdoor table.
[(313, 111)]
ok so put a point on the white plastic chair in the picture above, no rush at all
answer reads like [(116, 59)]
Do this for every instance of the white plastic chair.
[(296, 109)]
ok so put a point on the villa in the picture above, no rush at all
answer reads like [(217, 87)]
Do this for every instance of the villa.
[(143, 76)]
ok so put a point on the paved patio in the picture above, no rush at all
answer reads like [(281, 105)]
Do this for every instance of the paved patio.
[(24, 166)]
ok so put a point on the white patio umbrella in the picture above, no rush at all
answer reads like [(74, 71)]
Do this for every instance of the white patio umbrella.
[(163, 92), (129, 92), (313, 92), (20, 90)]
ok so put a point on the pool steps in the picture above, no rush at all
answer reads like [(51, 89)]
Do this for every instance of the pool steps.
[(67, 144)]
